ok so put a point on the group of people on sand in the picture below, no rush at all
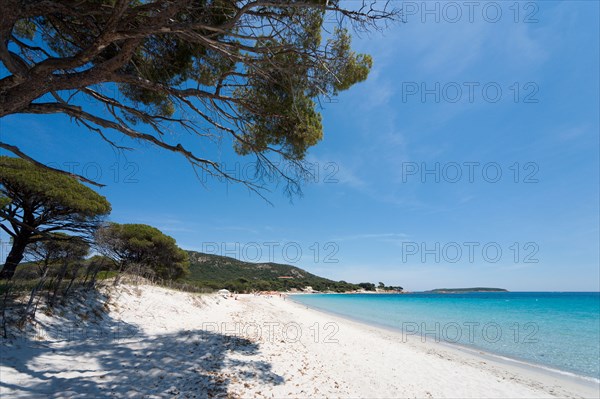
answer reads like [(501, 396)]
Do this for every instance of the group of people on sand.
[(266, 294), (270, 294)]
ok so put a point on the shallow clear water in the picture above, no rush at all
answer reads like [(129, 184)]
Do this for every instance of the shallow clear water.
[(556, 330)]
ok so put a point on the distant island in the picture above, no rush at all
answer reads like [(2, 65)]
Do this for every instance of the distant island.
[(464, 290)]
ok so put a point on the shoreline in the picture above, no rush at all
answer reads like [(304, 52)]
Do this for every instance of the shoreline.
[(550, 381), (470, 350), (195, 345)]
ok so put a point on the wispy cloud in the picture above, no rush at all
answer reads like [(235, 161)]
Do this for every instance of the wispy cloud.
[(331, 169), (166, 223), (384, 237), (574, 132), (237, 228)]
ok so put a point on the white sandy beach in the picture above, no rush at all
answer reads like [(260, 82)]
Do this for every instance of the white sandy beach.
[(154, 342)]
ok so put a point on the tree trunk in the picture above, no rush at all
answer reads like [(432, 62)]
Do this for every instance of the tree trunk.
[(61, 276), (13, 259), (73, 277), (35, 290)]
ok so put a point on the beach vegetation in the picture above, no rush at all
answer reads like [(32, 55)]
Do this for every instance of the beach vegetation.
[(144, 247), (38, 202), (367, 286)]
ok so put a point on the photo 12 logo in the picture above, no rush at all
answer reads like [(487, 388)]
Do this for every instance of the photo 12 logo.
[(273, 251), (452, 12), (117, 172), (470, 251), (470, 92), (5, 246), (257, 173), (470, 172), (274, 331), (471, 332), (71, 331)]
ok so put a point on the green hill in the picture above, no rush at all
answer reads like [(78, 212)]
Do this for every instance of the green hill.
[(215, 271)]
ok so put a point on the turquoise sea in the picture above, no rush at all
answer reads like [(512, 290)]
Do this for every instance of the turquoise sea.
[(556, 330)]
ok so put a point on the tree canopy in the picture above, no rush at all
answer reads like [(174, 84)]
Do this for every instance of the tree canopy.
[(252, 71), (39, 202), (143, 245), (56, 247)]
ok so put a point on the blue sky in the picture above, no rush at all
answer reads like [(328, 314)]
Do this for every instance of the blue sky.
[(462, 94)]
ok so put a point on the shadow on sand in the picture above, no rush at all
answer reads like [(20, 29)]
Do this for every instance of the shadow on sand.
[(109, 358)]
